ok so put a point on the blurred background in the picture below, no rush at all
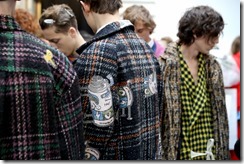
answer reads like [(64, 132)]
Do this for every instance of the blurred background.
[(166, 15)]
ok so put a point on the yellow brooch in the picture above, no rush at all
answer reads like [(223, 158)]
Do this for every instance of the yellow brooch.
[(49, 58)]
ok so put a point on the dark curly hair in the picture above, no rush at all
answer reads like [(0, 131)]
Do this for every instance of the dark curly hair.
[(200, 21)]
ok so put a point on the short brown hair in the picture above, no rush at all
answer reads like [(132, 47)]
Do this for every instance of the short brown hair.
[(104, 6), (61, 16), (139, 13)]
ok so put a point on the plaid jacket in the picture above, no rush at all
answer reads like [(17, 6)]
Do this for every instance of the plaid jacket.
[(40, 108), (118, 55), (171, 127)]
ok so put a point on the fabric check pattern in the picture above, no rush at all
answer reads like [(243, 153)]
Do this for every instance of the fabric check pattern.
[(172, 110), (117, 51), (40, 108), (196, 115)]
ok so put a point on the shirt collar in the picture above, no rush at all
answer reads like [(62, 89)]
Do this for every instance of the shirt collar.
[(151, 43)]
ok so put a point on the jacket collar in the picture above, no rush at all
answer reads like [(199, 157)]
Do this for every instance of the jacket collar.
[(171, 52), (7, 23), (106, 31)]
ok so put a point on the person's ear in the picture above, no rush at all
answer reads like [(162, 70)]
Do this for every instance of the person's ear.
[(85, 7), (72, 32)]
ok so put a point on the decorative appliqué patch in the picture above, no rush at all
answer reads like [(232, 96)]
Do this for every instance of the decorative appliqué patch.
[(125, 101), (150, 85), (101, 102)]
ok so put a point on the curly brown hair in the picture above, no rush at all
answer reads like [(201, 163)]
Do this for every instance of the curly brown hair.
[(201, 21), (28, 22)]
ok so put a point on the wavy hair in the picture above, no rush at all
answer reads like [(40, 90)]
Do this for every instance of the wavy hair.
[(200, 21), (136, 13)]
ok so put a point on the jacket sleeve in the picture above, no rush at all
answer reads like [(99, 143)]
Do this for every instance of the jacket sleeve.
[(99, 122), (68, 109)]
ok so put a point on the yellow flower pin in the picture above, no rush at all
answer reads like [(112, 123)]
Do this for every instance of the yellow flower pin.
[(49, 58)]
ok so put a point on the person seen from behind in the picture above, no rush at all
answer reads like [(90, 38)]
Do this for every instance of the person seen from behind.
[(27, 22), (235, 51), (40, 103), (121, 86)]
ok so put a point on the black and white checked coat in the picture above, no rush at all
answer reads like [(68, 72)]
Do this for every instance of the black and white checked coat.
[(117, 51)]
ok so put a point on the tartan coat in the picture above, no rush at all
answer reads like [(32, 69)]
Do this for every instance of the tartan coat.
[(116, 53), (40, 107), (171, 126)]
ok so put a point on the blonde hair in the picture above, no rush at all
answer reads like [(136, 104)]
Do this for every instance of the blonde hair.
[(136, 13), (167, 39)]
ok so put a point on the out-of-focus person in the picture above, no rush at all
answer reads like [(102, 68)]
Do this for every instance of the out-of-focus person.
[(164, 41), (144, 25), (235, 52), (28, 22)]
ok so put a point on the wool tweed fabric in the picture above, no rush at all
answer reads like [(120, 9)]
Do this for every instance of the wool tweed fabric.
[(197, 118), (40, 107), (172, 108), (117, 52)]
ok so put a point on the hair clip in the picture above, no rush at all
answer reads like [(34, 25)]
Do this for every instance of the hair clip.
[(70, 14), (49, 21)]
